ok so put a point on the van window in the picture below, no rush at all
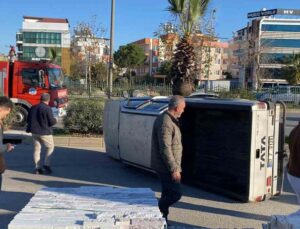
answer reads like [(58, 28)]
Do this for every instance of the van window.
[(134, 104), (295, 90), (280, 90), (154, 106)]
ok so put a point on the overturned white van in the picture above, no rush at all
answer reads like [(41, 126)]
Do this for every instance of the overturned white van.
[(233, 147)]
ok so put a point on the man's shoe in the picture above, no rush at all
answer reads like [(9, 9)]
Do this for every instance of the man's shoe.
[(167, 221), (39, 171), (47, 169)]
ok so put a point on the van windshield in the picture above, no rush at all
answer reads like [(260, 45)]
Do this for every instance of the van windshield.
[(56, 77)]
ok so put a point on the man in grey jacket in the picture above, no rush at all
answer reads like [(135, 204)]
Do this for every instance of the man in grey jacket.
[(167, 153)]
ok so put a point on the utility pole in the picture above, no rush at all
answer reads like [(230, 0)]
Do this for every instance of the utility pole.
[(111, 61)]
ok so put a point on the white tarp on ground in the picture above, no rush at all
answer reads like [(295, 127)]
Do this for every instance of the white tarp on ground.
[(90, 207)]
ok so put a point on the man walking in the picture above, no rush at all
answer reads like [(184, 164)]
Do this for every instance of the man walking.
[(167, 153), (39, 123)]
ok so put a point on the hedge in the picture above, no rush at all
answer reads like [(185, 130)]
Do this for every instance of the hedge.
[(84, 116)]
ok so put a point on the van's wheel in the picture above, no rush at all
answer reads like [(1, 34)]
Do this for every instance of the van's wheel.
[(20, 116)]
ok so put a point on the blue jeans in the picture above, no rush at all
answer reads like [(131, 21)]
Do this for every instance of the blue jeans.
[(170, 193), (0, 181)]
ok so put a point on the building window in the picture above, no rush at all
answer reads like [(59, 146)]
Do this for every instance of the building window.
[(155, 59), (280, 28), (287, 43), (41, 38), (29, 53), (275, 58)]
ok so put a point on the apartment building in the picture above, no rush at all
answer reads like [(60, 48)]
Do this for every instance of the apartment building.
[(212, 57), (266, 44), (151, 64), (41, 36), (97, 49)]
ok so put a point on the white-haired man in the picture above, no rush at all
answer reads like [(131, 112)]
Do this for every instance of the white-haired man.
[(166, 153)]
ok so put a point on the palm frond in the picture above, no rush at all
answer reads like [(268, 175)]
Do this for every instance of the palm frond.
[(176, 6), (204, 5), (196, 9)]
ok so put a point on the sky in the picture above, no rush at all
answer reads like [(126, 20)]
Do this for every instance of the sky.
[(134, 19)]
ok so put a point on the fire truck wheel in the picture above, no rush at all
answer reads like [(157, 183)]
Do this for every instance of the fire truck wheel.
[(20, 116)]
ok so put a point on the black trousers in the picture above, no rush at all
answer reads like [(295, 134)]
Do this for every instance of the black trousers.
[(170, 193)]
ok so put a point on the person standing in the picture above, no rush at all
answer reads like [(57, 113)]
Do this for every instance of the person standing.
[(166, 153), (39, 122), (293, 166), (6, 107)]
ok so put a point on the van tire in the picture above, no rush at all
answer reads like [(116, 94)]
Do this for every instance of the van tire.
[(20, 117)]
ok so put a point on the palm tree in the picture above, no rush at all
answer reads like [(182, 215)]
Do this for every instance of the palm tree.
[(53, 55), (292, 71), (188, 12)]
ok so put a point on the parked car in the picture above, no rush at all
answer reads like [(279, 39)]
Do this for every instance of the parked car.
[(287, 94), (270, 85)]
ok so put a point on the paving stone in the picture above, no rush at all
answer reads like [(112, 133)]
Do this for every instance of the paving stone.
[(90, 207)]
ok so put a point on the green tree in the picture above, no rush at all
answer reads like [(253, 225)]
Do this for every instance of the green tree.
[(99, 72), (165, 69), (84, 49), (129, 56), (292, 71), (188, 13)]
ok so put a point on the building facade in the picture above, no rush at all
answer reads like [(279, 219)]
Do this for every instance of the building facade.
[(151, 50), (45, 38), (96, 48), (266, 45), (211, 56)]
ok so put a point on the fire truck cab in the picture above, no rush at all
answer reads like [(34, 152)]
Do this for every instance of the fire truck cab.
[(24, 82)]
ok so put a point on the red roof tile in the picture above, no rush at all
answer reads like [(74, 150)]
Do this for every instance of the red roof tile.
[(48, 20)]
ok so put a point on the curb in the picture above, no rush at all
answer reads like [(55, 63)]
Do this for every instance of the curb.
[(17, 137), (79, 141)]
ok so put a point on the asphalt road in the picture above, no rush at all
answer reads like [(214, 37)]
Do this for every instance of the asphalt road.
[(76, 167)]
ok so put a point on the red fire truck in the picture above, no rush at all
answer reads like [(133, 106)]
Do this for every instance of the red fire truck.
[(25, 81)]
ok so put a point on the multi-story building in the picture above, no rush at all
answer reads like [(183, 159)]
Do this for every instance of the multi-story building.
[(211, 54), (212, 57), (167, 46), (42, 38), (266, 44), (159, 50), (96, 48), (150, 47)]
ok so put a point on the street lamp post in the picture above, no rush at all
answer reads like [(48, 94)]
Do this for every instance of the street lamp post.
[(111, 61)]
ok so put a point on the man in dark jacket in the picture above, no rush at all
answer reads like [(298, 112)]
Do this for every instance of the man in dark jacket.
[(167, 153), (293, 174), (39, 123)]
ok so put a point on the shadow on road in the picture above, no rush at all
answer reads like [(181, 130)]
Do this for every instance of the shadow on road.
[(84, 167), (11, 202), (221, 211)]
